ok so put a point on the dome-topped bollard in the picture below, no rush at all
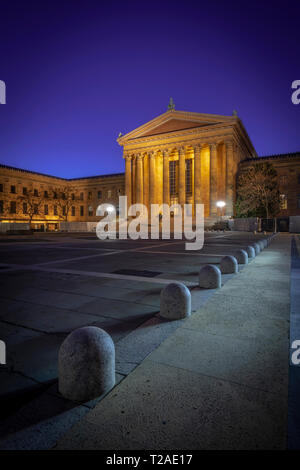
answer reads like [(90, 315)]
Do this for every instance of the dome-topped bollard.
[(265, 242), (250, 251), (229, 265), (86, 364), (241, 256), (175, 301), (261, 244), (257, 248), (210, 277)]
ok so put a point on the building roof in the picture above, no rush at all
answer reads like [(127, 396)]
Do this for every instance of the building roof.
[(273, 157), (58, 177)]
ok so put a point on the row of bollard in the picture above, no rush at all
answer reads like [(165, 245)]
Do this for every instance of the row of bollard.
[(86, 359)]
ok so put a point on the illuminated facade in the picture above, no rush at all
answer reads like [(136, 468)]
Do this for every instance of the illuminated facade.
[(182, 157), (53, 200)]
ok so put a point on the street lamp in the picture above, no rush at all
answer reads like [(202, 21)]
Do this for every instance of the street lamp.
[(220, 205)]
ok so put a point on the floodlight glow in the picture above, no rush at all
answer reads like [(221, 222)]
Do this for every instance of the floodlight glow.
[(221, 204), (110, 209)]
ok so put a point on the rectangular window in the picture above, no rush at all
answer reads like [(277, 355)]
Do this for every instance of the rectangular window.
[(283, 201), (73, 196), (46, 210), (64, 210), (35, 193), (298, 178), (45, 194), (173, 177), (283, 180), (99, 194), (63, 196), (89, 195), (24, 208), (35, 209), (188, 177), (1, 207), (1, 188), (13, 207), (24, 191), (13, 189), (54, 195), (55, 210), (81, 196), (73, 211), (81, 211)]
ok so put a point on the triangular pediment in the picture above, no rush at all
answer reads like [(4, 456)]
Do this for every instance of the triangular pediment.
[(173, 121)]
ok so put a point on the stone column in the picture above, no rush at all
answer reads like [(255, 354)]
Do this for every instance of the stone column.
[(197, 174), (139, 179), (213, 179), (181, 189), (166, 182), (128, 188), (229, 178), (146, 181), (152, 198)]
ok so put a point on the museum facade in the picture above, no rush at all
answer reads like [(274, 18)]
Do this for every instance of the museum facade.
[(177, 158)]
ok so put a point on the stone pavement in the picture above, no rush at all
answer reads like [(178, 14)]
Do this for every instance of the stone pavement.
[(219, 381)]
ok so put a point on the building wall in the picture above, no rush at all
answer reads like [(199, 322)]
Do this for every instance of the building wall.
[(287, 167), (88, 192)]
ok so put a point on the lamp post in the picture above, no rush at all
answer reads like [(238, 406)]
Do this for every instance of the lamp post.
[(220, 205)]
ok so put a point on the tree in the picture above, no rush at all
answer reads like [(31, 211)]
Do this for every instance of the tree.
[(31, 204), (65, 199), (258, 192)]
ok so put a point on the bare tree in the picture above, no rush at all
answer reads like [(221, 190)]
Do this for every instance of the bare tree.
[(65, 199), (258, 192), (31, 203)]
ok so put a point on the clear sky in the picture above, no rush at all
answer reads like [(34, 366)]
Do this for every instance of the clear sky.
[(78, 72)]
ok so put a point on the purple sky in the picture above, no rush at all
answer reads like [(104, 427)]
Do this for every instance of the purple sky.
[(78, 72)]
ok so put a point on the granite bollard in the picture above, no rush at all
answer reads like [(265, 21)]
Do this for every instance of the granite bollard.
[(257, 248), (229, 265), (250, 251), (241, 256), (261, 244), (175, 301), (86, 364), (210, 277)]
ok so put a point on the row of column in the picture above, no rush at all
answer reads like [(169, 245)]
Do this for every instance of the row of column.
[(142, 177)]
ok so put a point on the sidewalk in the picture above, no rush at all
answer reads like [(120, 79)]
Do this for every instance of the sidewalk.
[(220, 381)]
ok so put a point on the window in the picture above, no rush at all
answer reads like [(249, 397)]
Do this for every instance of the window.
[(24, 191), (81, 196), (173, 177), (89, 195), (46, 210), (283, 180), (298, 201), (73, 196), (283, 201), (64, 210), (35, 193), (1, 188), (13, 207), (55, 210), (90, 211), (188, 177), (298, 178), (81, 211), (35, 209), (24, 208), (13, 189), (73, 211), (45, 194), (54, 195), (109, 193), (99, 194), (63, 196), (1, 207)]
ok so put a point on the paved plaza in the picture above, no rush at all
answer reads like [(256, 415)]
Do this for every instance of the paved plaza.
[(52, 284)]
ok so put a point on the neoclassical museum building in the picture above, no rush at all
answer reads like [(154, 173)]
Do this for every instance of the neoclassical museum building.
[(178, 157)]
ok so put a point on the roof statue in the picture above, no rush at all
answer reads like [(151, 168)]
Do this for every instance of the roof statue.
[(171, 104), (234, 113)]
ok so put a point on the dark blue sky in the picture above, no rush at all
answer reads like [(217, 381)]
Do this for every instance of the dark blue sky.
[(80, 71)]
